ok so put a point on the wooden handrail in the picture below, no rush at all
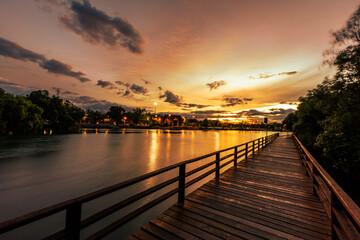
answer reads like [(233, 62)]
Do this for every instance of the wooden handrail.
[(74, 223), (341, 209)]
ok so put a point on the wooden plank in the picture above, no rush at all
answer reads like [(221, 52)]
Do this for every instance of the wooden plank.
[(141, 234), (260, 218), (266, 196)]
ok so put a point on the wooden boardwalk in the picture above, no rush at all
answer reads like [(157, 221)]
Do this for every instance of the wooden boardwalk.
[(266, 197)]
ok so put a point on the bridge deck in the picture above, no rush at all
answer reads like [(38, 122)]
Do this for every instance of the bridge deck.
[(268, 196)]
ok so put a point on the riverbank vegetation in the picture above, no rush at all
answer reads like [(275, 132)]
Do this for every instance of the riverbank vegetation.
[(327, 119)]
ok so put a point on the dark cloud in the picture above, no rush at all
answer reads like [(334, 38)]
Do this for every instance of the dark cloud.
[(269, 75), (172, 98), (160, 88), (123, 84), (277, 114), (290, 103), (194, 105), (247, 99), (216, 84), (138, 89), (69, 93), (125, 93), (106, 84), (87, 102), (56, 67), (13, 50), (96, 26), (232, 101), (288, 73)]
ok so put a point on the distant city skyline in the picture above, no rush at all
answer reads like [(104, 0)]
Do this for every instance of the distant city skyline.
[(190, 57)]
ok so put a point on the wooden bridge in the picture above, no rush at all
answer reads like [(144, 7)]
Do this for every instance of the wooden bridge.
[(277, 192)]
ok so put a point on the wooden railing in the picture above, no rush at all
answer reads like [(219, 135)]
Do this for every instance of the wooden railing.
[(341, 209), (74, 222)]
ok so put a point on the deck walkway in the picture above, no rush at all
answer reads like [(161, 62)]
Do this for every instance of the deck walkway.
[(266, 197)]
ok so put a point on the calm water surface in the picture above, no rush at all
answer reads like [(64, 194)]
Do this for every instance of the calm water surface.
[(39, 171)]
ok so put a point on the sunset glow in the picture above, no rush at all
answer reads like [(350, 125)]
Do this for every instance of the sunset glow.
[(251, 58)]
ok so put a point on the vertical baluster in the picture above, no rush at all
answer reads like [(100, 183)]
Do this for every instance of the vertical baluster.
[(259, 145), (73, 220), (217, 173), (235, 156), (181, 193), (253, 148), (246, 151)]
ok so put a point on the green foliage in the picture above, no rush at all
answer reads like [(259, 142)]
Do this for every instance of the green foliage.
[(19, 115), (136, 114), (94, 117), (22, 115), (289, 121), (328, 117), (116, 113)]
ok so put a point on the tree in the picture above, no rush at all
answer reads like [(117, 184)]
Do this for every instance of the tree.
[(19, 115), (328, 116), (94, 116), (136, 114), (116, 113), (289, 121)]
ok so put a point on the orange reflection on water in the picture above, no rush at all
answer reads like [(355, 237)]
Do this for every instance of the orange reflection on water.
[(154, 151)]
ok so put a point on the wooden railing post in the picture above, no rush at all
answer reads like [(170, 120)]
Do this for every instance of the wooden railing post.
[(262, 142), (217, 172), (181, 193), (73, 220), (253, 147), (246, 151), (235, 156), (258, 145)]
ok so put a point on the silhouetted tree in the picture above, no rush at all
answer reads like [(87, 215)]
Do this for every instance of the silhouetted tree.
[(116, 113)]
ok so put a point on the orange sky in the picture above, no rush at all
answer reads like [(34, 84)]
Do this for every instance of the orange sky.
[(255, 54)]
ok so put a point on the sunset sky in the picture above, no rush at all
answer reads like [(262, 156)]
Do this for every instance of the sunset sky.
[(253, 57)]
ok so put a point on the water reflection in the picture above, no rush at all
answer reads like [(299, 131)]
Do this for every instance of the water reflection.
[(50, 169), (153, 154)]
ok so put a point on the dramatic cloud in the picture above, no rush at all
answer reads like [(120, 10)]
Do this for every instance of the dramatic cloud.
[(123, 84), (57, 67), (87, 102), (247, 99), (13, 50), (269, 75), (127, 93), (193, 105), (96, 26), (138, 89), (216, 84), (277, 114), (106, 84), (172, 98)]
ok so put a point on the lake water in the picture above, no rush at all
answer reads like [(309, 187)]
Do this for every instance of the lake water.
[(39, 171)]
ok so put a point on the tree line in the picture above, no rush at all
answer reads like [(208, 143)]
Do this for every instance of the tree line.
[(38, 111), (327, 120)]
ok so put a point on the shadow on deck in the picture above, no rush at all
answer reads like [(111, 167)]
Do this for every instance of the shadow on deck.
[(267, 196)]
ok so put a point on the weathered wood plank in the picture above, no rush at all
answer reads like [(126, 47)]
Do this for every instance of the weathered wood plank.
[(266, 196)]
